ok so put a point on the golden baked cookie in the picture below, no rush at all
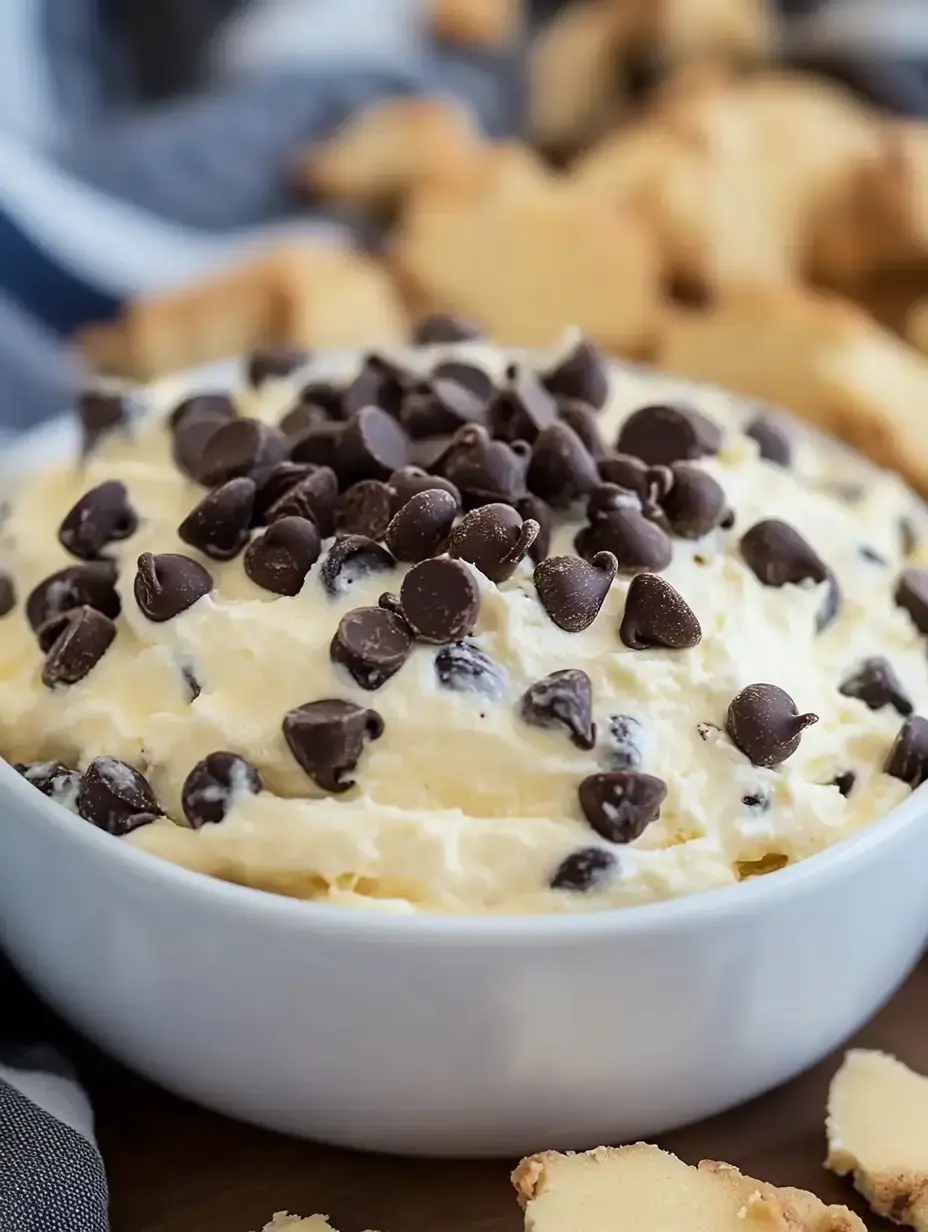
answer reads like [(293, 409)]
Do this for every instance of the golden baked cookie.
[(485, 24)]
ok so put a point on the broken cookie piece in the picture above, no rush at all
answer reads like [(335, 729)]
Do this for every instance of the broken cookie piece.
[(612, 1189), (878, 1133)]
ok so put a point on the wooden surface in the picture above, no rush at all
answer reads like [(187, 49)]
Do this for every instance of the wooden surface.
[(174, 1168)]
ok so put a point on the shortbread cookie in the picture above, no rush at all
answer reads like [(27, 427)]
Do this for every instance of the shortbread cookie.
[(636, 1187), (391, 147), (818, 355), (878, 1133), (486, 24)]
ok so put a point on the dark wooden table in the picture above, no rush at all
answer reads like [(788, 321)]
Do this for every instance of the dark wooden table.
[(175, 1168)]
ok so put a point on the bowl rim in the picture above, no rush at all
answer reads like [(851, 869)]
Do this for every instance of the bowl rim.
[(669, 915)]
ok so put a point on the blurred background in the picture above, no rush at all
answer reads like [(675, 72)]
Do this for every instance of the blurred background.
[(734, 189)]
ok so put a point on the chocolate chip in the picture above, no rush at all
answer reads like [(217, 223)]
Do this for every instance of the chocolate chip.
[(116, 797), (476, 380), (494, 539), (563, 699), (194, 423), (101, 516), (379, 383), (214, 785), (778, 555), (242, 447), (318, 444), (218, 526), (280, 559), (442, 327), (324, 396), (580, 375), (439, 409), (771, 439), (7, 595), (202, 406), (584, 870), (695, 504), (194, 688), (845, 782), (278, 481), (327, 738), (351, 560), (100, 414), (314, 497), (666, 434), (92, 584), (621, 804), (465, 668), (75, 643), (168, 584), (52, 779), (656, 614), (623, 743), (441, 600), (572, 590), (484, 470), (561, 469), (764, 724), (579, 417), (877, 685), (908, 758), (429, 454), (523, 408), (533, 508), (912, 595), (302, 419), (637, 544), (409, 481), (373, 644), (758, 802), (372, 446), (364, 509), (270, 363), (830, 606), (421, 528)]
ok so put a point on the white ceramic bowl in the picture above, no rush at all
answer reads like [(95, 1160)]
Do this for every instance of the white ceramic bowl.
[(457, 1036)]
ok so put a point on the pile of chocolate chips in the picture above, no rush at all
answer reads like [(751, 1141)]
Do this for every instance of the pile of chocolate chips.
[(432, 472)]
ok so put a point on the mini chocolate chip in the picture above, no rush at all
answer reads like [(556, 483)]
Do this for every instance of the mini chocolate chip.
[(572, 590), (912, 595), (351, 560), (280, 559), (580, 375), (871, 555), (92, 583), (523, 408), (494, 539), (666, 434), (621, 804), (440, 408), (421, 528), (623, 743), (314, 498), (116, 797), (465, 668), (775, 446), (364, 509), (194, 688), (7, 594), (193, 423), (242, 447), (638, 544), (318, 444), (845, 782), (372, 446), (75, 643), (327, 739), (764, 724), (278, 481), (409, 481), (830, 606), (373, 644), (100, 414), (441, 600), (442, 327), (214, 785), (270, 363), (877, 685), (218, 526), (584, 870), (579, 417), (168, 584), (561, 469), (202, 406), (778, 555), (484, 470), (52, 779), (533, 508), (656, 614), (695, 504), (101, 516), (563, 699), (759, 802), (908, 758)]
